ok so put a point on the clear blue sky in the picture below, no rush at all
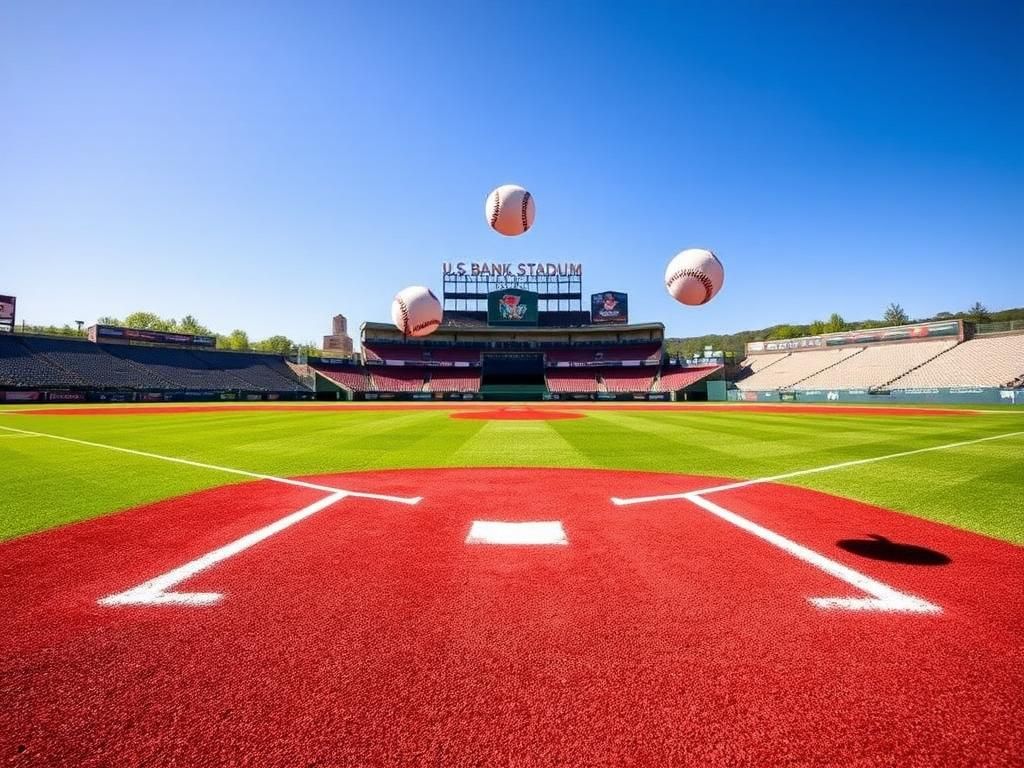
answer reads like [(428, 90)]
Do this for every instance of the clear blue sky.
[(266, 165)]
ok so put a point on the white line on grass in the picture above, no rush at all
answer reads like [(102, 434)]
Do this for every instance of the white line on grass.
[(882, 597), (785, 476), (216, 468), (157, 591)]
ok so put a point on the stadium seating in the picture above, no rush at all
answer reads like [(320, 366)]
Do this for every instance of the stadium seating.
[(986, 361), (350, 377), (794, 368), (628, 379), (755, 363), (455, 380), (673, 378), (56, 362), (20, 366), (572, 380), (650, 353), (397, 378), (91, 365), (876, 365)]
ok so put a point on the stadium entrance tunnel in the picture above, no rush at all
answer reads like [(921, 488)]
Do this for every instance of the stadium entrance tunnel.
[(567, 613), (513, 376)]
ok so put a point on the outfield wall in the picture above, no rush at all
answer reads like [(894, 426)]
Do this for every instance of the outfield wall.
[(967, 395)]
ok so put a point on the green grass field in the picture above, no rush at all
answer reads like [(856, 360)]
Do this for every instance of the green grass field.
[(977, 487)]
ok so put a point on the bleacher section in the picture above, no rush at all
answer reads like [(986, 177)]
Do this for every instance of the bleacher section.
[(572, 380), (39, 361), (876, 365), (987, 361), (794, 368), (397, 378), (674, 378), (350, 377), (454, 380), (629, 379), (755, 363), (650, 353)]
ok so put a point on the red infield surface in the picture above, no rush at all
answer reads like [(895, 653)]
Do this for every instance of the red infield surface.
[(371, 633), (824, 410)]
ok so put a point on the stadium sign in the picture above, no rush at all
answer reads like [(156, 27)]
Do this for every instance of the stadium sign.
[(512, 307), (7, 306), (609, 307), (509, 269)]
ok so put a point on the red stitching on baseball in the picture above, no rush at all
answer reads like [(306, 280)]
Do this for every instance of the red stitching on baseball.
[(497, 207), (405, 314), (695, 273), (526, 202)]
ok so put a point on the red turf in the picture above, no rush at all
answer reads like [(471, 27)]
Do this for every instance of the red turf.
[(370, 634)]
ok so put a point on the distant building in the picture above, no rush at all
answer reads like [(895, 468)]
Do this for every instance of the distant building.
[(339, 343)]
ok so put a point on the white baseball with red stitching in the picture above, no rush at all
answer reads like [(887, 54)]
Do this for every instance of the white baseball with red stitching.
[(416, 311), (694, 276), (509, 210)]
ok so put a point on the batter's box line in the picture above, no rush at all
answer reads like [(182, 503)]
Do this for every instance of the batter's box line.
[(882, 597), (160, 590)]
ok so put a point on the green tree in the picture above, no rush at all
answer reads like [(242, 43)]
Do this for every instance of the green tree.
[(148, 321), (108, 320), (237, 340), (817, 328), (784, 332), (189, 324), (835, 323), (978, 313), (282, 345), (894, 315)]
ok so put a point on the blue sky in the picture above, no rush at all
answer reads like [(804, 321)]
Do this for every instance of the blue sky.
[(266, 165)]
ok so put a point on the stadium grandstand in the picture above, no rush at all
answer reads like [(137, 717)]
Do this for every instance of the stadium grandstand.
[(944, 361), (523, 340)]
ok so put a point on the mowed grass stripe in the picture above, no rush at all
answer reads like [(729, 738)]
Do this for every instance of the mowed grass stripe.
[(48, 483)]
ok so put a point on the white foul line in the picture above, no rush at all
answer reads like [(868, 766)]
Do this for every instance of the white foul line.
[(157, 591), (882, 597), (785, 476), (216, 468)]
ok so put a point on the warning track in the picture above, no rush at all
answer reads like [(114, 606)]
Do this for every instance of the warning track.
[(370, 633)]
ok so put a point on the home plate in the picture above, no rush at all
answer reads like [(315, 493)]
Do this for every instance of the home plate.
[(493, 532)]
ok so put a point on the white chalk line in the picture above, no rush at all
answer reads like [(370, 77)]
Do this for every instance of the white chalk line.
[(216, 468), (158, 591), (882, 597), (827, 468)]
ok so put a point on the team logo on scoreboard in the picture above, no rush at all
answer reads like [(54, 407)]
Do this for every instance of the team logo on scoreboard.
[(511, 308)]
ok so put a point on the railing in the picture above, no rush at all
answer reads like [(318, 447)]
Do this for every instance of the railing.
[(1001, 327)]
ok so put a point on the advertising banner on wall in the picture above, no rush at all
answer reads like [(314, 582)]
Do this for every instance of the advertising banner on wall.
[(113, 333), (512, 306), (609, 307), (7, 306), (920, 332)]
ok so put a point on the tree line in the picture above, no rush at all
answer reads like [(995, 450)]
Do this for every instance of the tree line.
[(237, 340), (894, 314)]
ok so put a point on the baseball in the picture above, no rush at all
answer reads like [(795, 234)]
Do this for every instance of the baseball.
[(416, 311), (694, 276), (509, 210)]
